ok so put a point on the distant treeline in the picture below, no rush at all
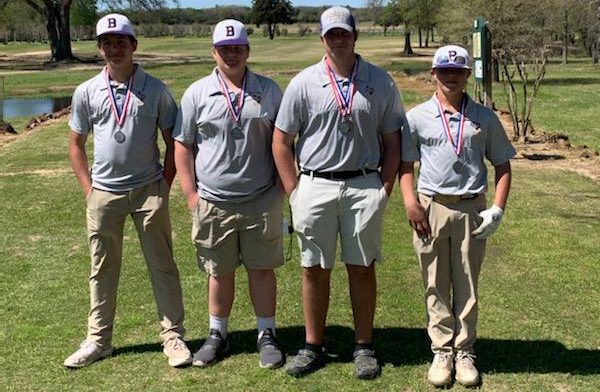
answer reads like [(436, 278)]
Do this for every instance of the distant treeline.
[(179, 22)]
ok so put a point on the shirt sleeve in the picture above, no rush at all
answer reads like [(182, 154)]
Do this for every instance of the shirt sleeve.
[(80, 112), (410, 138), (393, 116), (167, 110), (185, 125), (498, 149), (290, 116)]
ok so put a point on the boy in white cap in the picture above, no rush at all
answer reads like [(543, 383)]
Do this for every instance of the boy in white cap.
[(123, 106), (346, 115), (450, 135), (223, 156)]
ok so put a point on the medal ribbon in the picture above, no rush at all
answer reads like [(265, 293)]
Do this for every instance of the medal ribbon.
[(457, 143), (113, 100), (233, 110), (344, 101)]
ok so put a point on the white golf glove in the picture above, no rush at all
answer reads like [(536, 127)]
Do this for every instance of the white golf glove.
[(491, 221)]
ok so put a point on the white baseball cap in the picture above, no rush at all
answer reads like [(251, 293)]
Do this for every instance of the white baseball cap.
[(451, 56), (230, 32), (337, 17), (114, 24)]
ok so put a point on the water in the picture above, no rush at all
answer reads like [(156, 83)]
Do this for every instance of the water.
[(23, 107)]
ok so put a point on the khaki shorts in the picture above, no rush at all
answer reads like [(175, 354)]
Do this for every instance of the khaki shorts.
[(322, 209), (249, 233)]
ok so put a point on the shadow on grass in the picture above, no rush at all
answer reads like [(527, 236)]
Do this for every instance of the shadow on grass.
[(410, 346)]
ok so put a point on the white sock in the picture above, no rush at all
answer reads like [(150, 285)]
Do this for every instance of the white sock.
[(219, 323), (265, 323)]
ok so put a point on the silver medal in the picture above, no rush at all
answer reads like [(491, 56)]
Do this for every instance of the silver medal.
[(119, 137), (345, 125), (237, 132)]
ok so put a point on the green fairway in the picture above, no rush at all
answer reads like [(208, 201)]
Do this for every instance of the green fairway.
[(539, 289)]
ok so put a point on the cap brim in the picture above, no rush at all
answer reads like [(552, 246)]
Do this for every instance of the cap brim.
[(454, 66), (237, 41), (339, 25), (117, 32)]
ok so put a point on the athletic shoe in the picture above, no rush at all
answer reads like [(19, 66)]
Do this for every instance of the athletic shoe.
[(466, 372), (177, 352), (268, 350), (366, 365), (88, 353), (307, 361), (213, 349), (440, 372)]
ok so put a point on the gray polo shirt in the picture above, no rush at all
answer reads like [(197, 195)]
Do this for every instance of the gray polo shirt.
[(441, 170), (232, 163), (130, 159), (309, 109)]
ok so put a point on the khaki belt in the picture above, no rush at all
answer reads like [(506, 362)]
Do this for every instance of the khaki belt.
[(448, 199)]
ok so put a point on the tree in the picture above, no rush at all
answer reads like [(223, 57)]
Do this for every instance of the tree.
[(403, 12), (57, 16), (272, 12)]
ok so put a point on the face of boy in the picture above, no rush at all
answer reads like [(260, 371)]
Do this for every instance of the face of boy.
[(117, 49), (451, 81), (339, 43), (231, 58)]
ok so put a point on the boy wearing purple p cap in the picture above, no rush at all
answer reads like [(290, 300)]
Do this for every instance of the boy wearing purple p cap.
[(451, 135)]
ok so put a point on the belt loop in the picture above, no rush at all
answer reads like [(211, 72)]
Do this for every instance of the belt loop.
[(364, 172), (312, 175)]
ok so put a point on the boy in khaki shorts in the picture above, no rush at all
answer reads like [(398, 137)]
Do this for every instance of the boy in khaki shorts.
[(451, 136), (223, 156)]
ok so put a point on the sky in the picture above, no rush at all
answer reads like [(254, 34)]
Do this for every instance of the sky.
[(295, 3)]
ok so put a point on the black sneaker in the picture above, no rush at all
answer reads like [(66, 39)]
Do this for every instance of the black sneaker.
[(366, 365), (213, 349), (268, 350), (307, 361)]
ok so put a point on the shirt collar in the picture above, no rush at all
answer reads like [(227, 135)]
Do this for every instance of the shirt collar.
[(362, 73), (434, 108), (253, 86)]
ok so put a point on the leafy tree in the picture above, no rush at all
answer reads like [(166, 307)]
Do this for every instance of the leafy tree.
[(271, 13), (56, 13), (403, 12), (83, 13)]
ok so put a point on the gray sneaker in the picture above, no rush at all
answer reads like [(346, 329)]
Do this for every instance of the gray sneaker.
[(268, 350), (88, 353), (212, 351), (366, 366), (305, 362)]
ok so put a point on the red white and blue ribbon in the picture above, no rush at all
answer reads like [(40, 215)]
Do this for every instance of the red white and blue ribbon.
[(113, 101), (235, 111), (344, 101), (456, 142)]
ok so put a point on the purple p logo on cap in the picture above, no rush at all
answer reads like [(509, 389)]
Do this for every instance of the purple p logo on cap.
[(114, 24), (451, 56), (230, 32)]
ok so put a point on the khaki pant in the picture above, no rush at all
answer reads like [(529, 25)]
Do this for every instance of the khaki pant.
[(450, 262), (106, 214)]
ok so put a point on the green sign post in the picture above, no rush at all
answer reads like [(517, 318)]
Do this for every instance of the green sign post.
[(482, 62)]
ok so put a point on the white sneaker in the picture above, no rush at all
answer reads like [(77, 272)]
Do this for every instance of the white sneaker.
[(440, 372), (177, 352), (466, 372), (88, 353)]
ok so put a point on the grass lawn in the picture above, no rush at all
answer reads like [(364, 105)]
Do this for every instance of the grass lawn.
[(539, 290)]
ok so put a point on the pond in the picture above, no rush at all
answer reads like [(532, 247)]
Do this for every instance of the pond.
[(23, 107)]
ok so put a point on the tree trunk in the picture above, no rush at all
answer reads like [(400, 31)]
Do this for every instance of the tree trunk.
[(271, 28), (56, 13), (420, 38), (565, 35), (407, 46)]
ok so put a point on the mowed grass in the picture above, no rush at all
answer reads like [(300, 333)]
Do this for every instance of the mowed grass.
[(539, 287)]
